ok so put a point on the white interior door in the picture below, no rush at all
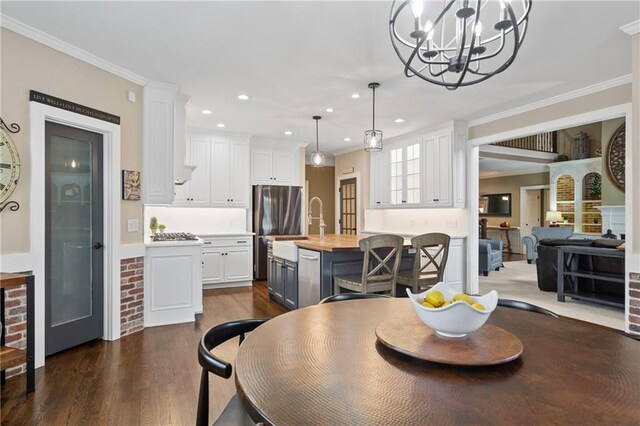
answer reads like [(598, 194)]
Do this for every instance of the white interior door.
[(530, 216)]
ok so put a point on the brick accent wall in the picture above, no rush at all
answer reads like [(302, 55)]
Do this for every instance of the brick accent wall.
[(131, 295), (15, 323), (566, 189), (634, 303)]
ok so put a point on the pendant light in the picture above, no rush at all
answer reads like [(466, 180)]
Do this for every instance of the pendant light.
[(317, 158), (373, 137), (445, 45)]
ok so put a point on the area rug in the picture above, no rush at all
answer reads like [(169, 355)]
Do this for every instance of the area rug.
[(517, 280)]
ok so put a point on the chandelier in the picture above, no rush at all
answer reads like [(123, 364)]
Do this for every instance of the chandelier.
[(373, 137), (450, 45), (317, 158)]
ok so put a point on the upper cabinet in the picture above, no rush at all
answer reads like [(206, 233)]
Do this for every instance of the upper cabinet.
[(274, 167), (158, 134), (221, 178), (421, 171), (164, 142)]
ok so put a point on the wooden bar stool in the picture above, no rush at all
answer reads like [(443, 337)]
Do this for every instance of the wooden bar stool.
[(382, 255), (434, 249)]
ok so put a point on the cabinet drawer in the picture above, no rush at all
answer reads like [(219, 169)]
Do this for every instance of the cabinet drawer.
[(242, 241)]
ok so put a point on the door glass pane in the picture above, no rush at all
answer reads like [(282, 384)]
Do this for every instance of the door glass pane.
[(70, 228), (396, 176)]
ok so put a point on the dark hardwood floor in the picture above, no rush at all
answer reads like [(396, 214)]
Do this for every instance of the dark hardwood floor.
[(512, 257), (150, 377)]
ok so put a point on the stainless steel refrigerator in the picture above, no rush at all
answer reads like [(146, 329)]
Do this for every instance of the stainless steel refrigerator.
[(276, 211)]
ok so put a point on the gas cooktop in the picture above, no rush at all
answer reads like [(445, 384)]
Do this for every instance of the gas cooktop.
[(173, 236)]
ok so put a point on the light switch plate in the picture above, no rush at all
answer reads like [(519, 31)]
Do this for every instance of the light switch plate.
[(131, 96), (132, 225)]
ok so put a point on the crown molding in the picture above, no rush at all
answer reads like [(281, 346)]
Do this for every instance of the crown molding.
[(594, 88), (69, 49), (632, 28)]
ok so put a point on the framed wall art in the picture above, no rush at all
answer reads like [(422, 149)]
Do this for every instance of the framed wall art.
[(131, 185)]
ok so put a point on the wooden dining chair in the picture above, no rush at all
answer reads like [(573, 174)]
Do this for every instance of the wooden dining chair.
[(525, 306), (382, 255), (234, 413), (351, 296), (432, 251)]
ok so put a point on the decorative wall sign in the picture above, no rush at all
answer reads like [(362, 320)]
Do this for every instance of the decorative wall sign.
[(615, 158), (130, 185), (73, 107), (9, 165)]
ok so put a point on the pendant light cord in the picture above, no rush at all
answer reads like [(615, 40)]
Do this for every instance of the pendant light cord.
[(374, 110), (317, 143)]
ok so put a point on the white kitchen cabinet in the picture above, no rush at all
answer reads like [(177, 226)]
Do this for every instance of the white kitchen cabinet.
[(421, 171), (221, 178), (158, 136), (438, 170), (380, 169), (172, 282), (269, 167), (227, 261)]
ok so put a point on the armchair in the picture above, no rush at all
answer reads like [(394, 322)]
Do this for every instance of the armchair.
[(490, 255), (539, 233)]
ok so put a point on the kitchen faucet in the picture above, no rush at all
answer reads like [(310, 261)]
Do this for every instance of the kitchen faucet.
[(310, 217)]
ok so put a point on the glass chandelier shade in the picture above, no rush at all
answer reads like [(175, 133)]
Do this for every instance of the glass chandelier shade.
[(373, 137), (317, 158), (449, 44)]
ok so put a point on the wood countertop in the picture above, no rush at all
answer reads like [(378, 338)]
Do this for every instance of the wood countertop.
[(334, 242)]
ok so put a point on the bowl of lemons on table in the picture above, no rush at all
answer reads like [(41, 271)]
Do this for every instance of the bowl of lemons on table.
[(451, 313)]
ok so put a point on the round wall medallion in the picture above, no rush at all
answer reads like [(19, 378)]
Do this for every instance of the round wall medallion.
[(615, 158), (9, 166)]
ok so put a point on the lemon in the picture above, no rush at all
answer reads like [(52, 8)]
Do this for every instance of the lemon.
[(479, 306), (427, 305), (463, 297), (435, 298), (446, 303)]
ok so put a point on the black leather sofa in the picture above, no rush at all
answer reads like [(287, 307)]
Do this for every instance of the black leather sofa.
[(547, 266)]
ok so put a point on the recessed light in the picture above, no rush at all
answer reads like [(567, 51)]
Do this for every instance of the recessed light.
[(288, 132), (206, 112), (220, 125), (347, 139), (399, 120), (355, 96), (329, 110), (243, 97)]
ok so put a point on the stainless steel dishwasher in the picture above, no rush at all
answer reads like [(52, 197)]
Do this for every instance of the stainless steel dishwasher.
[(308, 278)]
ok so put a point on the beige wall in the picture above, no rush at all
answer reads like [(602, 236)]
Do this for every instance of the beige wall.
[(565, 139), (359, 161), (595, 101), (322, 184), (511, 184), (28, 65), (611, 195)]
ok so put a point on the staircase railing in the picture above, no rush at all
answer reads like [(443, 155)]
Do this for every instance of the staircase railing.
[(544, 142)]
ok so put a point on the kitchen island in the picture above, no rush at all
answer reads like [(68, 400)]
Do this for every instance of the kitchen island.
[(301, 268), (303, 274)]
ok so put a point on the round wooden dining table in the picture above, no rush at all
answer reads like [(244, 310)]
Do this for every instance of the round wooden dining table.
[(324, 365)]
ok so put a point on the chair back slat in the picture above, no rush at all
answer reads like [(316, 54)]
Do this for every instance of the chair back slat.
[(435, 247), (382, 254)]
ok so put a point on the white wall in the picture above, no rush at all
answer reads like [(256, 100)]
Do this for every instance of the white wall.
[(417, 221), (197, 220)]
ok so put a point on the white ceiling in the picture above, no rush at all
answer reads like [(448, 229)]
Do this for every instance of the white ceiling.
[(295, 59), (496, 167)]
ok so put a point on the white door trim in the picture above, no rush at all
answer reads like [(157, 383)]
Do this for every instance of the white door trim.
[(39, 113), (632, 259), (358, 198)]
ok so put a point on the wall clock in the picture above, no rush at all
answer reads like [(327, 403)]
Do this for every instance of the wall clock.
[(9, 165), (615, 158)]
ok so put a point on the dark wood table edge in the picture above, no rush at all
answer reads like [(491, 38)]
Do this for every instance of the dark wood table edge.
[(255, 414)]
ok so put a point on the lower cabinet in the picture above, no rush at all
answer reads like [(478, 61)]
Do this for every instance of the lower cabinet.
[(227, 261), (282, 277)]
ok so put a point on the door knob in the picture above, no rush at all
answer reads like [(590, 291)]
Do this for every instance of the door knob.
[(98, 245)]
